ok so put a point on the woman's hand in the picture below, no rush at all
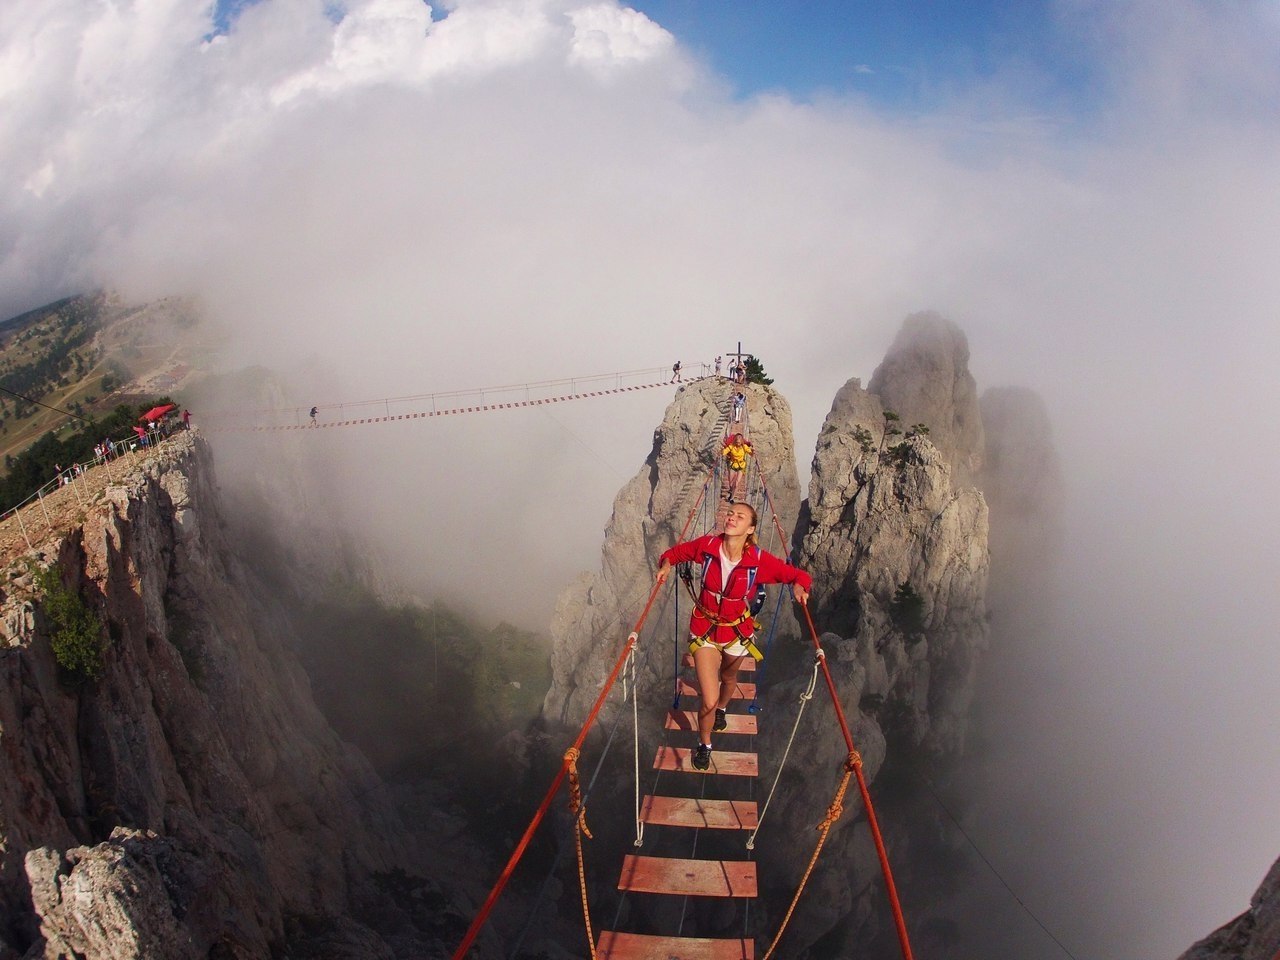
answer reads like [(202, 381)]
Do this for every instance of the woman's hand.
[(800, 593), (664, 571)]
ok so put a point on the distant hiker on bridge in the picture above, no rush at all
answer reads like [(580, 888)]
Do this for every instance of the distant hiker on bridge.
[(675, 373), (313, 416), (735, 451), (721, 628), (739, 402)]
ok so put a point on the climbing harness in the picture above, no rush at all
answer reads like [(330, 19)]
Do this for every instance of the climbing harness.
[(714, 619)]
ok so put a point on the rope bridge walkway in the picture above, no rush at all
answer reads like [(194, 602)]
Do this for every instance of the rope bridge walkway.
[(429, 405), (714, 876)]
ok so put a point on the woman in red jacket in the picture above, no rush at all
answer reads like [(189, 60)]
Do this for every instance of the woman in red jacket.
[(721, 624)]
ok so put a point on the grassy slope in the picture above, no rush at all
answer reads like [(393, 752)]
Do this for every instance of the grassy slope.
[(79, 354)]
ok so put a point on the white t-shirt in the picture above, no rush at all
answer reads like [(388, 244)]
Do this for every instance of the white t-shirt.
[(727, 567)]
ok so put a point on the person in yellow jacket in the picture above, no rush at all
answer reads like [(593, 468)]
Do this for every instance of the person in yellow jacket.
[(735, 453)]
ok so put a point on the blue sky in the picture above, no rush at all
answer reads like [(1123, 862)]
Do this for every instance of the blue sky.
[(908, 55)]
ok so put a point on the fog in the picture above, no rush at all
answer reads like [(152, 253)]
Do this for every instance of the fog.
[(376, 203)]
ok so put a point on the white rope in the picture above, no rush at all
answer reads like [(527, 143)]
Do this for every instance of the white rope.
[(635, 740), (804, 699)]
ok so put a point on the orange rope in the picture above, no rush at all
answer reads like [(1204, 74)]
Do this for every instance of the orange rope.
[(580, 827), (501, 883), (696, 504), (834, 812), (891, 888), (773, 512), (568, 763), (575, 789)]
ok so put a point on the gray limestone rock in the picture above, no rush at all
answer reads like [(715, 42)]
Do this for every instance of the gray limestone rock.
[(1254, 935), (896, 538), (900, 564), (128, 898), (925, 379), (884, 512), (595, 614), (192, 797)]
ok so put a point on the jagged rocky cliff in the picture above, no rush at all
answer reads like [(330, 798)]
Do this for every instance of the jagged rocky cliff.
[(898, 545), (902, 556), (1254, 935), (896, 538), (925, 378), (594, 615), (191, 801)]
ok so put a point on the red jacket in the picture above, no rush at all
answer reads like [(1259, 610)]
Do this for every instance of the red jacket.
[(729, 602)]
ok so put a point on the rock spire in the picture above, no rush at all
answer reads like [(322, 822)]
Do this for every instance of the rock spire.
[(594, 615)]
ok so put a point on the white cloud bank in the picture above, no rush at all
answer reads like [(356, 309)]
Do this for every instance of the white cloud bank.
[(526, 190)]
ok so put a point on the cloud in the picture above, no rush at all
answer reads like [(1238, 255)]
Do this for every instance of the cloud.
[(384, 202)]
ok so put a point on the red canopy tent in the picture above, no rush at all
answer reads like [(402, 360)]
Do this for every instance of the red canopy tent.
[(155, 413)]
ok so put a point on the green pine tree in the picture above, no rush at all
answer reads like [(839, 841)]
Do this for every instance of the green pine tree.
[(755, 371)]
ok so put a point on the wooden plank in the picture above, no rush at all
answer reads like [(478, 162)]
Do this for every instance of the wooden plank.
[(722, 761), (688, 720), (741, 691), (695, 812), (694, 878), (638, 946), (746, 666)]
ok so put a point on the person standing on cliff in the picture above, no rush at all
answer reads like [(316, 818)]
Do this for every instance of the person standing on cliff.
[(675, 373), (721, 628)]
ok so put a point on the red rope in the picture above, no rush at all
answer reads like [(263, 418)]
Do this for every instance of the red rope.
[(388, 418), (697, 503), (486, 908), (773, 512), (894, 903), (892, 889)]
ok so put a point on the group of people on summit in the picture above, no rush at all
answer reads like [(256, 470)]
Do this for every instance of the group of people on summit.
[(737, 370)]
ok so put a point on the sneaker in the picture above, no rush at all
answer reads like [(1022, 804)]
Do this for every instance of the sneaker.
[(720, 723), (702, 757)]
